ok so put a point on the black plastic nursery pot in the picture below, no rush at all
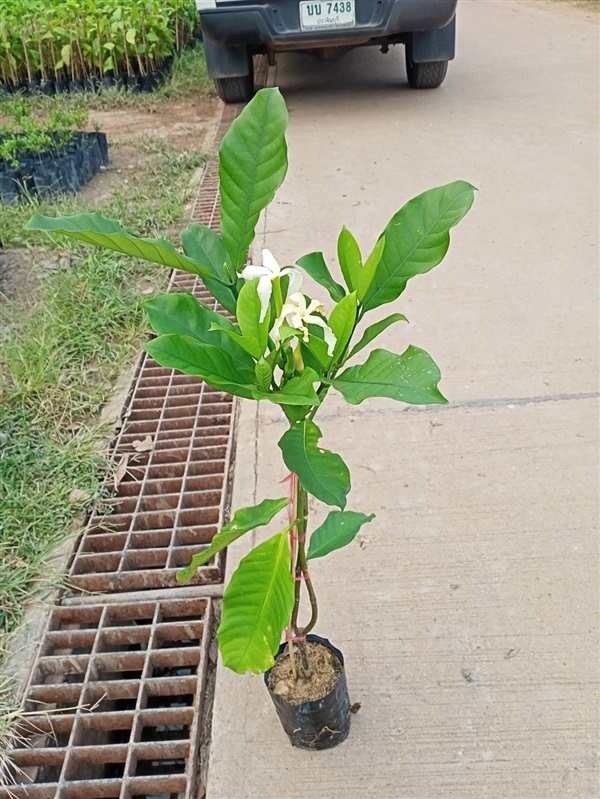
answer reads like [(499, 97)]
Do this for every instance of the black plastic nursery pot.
[(323, 723), (10, 189), (151, 81), (62, 169), (133, 83)]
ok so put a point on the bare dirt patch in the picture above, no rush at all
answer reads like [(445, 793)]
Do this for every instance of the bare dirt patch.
[(188, 124)]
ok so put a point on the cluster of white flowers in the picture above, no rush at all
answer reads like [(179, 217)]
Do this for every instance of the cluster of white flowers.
[(295, 313)]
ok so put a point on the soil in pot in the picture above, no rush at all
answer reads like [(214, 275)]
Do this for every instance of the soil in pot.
[(326, 670), (314, 712)]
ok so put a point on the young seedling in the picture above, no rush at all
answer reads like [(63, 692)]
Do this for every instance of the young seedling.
[(291, 350)]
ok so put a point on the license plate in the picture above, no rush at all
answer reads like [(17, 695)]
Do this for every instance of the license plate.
[(327, 14)]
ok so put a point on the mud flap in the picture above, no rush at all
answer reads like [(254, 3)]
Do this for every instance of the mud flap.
[(438, 45), (226, 62)]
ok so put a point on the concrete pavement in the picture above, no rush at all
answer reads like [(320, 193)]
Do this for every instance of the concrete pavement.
[(467, 610)]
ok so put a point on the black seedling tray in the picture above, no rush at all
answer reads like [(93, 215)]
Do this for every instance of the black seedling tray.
[(60, 170)]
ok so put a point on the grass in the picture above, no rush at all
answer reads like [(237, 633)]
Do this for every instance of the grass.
[(58, 359), (187, 76)]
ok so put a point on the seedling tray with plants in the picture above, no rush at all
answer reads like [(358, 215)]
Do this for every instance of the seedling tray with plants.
[(53, 48), (47, 157)]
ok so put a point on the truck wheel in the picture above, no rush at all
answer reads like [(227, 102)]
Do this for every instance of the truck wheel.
[(424, 75), (235, 90)]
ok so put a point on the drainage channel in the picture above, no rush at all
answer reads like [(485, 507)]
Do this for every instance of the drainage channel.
[(114, 706)]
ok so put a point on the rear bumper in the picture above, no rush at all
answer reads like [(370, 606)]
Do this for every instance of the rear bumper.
[(276, 26)]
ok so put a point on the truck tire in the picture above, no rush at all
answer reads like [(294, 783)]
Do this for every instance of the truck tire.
[(424, 75), (235, 90)]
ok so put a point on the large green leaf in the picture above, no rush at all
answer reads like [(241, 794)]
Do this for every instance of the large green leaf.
[(338, 529), (96, 229), (374, 330), (322, 473), (206, 247), (417, 239), (210, 363), (297, 391), (257, 605), (184, 315), (342, 321), (412, 377), (252, 166), (315, 266), (244, 520), (349, 257), (248, 313)]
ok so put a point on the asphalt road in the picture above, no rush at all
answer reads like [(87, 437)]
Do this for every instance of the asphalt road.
[(468, 610)]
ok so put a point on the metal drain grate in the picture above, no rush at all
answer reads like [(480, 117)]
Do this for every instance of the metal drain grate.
[(172, 497), (117, 697)]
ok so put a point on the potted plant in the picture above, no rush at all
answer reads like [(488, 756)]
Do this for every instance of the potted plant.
[(289, 349)]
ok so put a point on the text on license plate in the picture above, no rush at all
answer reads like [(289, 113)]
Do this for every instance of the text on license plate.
[(327, 14)]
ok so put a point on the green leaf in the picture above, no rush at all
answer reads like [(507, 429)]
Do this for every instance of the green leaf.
[(315, 355), (257, 606), (342, 321), (322, 473), (184, 315), (226, 295), (412, 377), (248, 312), (252, 166), (244, 520), (210, 363), (263, 374), (247, 343), (349, 257), (338, 529), (314, 265), (130, 35), (297, 391), (417, 239), (96, 229), (374, 330), (206, 247), (365, 277)]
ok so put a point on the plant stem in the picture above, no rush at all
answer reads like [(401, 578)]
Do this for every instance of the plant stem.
[(302, 575)]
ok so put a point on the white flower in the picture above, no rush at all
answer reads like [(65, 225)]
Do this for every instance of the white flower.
[(266, 274), (297, 315)]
